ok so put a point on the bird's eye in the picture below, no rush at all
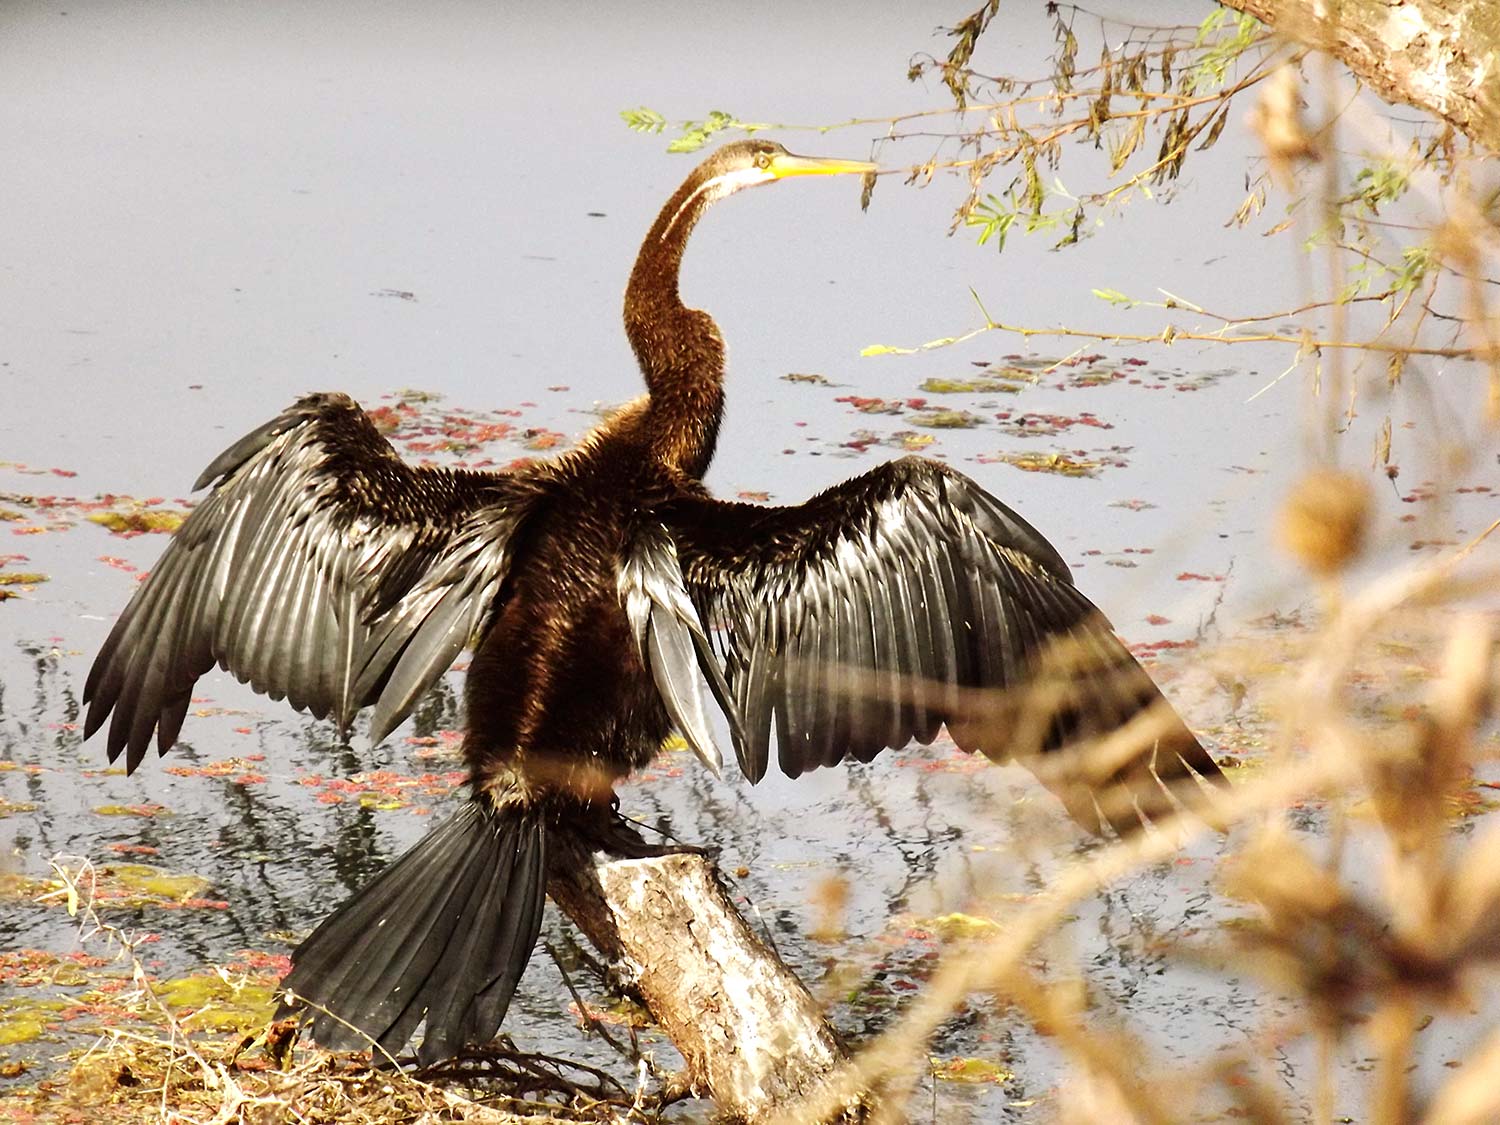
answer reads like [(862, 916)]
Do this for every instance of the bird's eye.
[(762, 160)]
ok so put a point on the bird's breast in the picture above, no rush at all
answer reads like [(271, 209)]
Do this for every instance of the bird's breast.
[(557, 687)]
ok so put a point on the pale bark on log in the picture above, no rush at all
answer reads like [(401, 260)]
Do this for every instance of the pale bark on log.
[(1442, 56), (752, 1036)]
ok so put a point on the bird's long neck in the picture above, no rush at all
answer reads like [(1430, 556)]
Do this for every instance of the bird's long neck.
[(679, 349)]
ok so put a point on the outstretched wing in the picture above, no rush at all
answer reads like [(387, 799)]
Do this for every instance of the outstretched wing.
[(908, 598), (321, 568)]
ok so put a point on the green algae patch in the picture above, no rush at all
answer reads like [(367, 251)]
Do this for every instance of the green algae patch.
[(140, 884), (146, 810), (15, 887), (960, 927), (969, 1069), (28, 1018), (972, 386), (219, 1001), (132, 885), (139, 521), (29, 968), (1060, 463), (946, 419), (381, 802)]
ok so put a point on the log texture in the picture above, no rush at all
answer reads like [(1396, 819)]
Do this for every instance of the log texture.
[(751, 1034), (1439, 55)]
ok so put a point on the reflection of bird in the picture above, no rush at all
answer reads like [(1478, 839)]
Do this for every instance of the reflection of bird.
[(605, 591)]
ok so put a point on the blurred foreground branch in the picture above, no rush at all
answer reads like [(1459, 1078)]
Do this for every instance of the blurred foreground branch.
[(1437, 55)]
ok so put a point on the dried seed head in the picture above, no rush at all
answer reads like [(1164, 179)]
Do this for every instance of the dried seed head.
[(1324, 520), (1277, 120), (830, 898)]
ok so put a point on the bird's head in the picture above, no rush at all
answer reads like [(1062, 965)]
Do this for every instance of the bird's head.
[(752, 162)]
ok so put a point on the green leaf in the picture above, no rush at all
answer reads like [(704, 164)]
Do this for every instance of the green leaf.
[(644, 120), (1114, 297), (885, 349), (1211, 24)]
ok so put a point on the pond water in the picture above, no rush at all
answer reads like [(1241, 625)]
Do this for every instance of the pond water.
[(211, 211)]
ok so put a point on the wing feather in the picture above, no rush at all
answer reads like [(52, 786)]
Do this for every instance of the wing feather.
[(671, 640), (906, 599), (321, 569)]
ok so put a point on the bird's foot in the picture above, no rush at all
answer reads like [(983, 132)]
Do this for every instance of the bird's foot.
[(639, 849), (622, 839)]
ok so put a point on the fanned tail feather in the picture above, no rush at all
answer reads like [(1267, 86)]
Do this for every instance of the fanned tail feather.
[(444, 932)]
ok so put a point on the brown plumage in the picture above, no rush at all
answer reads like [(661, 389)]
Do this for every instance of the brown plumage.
[(607, 593)]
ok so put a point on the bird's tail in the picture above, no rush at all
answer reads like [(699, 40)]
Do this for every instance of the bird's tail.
[(444, 932)]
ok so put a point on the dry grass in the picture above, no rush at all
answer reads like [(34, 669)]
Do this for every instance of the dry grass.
[(149, 1068)]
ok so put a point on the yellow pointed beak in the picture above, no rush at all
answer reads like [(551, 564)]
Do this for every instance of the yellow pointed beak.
[(785, 164)]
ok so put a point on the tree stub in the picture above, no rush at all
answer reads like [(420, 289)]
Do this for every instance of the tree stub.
[(752, 1036)]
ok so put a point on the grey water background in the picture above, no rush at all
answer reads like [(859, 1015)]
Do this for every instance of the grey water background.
[(209, 210)]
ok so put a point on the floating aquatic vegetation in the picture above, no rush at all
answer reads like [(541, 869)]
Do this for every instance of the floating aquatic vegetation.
[(146, 810), (620, 1011), (908, 441), (131, 885), (946, 419), (1062, 464), (138, 521), (1014, 370), (867, 405), (27, 1018), (124, 515), (13, 583), (938, 386), (970, 1069), (29, 470), (446, 744), (238, 769), (960, 927), (543, 439), (221, 999), (1046, 425), (389, 419), (27, 968), (385, 790)]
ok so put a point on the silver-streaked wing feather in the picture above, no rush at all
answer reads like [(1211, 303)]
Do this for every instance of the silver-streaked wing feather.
[(321, 569), (671, 640), (909, 598)]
